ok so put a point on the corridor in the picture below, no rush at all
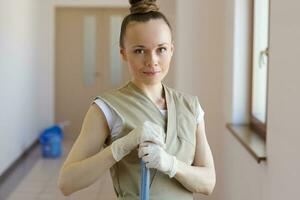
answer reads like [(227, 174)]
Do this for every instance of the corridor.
[(239, 58), (35, 178)]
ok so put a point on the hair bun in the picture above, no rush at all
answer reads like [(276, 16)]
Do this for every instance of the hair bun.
[(143, 6)]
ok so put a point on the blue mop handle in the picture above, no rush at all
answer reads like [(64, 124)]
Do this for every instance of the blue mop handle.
[(145, 182)]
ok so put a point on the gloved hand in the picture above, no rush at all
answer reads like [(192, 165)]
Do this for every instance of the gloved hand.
[(148, 131), (156, 157)]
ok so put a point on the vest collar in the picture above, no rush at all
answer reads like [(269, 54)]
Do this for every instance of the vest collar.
[(171, 112)]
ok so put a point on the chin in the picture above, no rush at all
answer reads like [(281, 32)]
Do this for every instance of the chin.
[(151, 81)]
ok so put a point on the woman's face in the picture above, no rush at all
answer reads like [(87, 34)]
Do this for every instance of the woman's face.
[(148, 50)]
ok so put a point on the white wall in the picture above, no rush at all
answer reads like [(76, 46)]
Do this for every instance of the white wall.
[(284, 98), (26, 92), (206, 37), (199, 51), (240, 176)]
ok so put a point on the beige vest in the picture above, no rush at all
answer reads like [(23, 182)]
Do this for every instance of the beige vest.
[(134, 107)]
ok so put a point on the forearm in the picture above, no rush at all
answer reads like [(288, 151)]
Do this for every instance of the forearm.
[(81, 174), (196, 179)]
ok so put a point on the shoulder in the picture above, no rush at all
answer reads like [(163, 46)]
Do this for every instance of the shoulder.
[(105, 95), (113, 93), (184, 100), (181, 96)]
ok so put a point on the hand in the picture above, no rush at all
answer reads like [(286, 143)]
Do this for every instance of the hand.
[(148, 131), (156, 157)]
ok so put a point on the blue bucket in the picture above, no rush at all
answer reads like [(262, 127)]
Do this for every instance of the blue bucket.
[(51, 142)]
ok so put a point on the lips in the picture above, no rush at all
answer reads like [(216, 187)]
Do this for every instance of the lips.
[(151, 72)]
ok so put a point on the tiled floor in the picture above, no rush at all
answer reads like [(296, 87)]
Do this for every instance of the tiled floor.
[(35, 178)]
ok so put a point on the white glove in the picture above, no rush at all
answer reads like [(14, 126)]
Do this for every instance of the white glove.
[(148, 131), (156, 157)]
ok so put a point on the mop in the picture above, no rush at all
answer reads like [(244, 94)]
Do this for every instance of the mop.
[(145, 182)]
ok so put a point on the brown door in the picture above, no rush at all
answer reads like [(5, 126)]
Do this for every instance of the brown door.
[(86, 60)]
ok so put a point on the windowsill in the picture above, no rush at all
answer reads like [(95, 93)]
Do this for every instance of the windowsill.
[(253, 143)]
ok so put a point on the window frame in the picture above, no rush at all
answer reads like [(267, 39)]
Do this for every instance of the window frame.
[(259, 127)]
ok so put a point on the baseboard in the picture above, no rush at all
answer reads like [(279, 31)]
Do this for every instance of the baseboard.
[(11, 168)]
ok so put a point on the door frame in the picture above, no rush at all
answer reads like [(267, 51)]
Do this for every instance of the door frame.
[(52, 29)]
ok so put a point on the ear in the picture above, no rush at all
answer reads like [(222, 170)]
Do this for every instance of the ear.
[(123, 54), (172, 48)]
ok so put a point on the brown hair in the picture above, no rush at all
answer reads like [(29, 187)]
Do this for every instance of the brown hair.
[(141, 11)]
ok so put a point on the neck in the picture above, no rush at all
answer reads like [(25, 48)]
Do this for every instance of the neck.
[(153, 91)]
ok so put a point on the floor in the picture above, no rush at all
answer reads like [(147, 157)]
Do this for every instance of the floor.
[(35, 178)]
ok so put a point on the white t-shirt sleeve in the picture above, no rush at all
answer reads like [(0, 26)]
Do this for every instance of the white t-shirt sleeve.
[(113, 119), (115, 122), (200, 112), (106, 110)]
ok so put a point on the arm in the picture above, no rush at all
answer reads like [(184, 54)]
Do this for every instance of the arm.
[(85, 162), (200, 177)]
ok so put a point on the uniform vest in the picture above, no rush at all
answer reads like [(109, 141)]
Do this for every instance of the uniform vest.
[(134, 107)]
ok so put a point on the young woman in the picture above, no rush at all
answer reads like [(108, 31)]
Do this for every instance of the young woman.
[(145, 120)]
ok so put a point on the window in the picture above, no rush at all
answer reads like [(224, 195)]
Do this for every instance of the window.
[(260, 66), (249, 77)]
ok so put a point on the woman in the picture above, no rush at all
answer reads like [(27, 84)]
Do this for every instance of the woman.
[(144, 119)]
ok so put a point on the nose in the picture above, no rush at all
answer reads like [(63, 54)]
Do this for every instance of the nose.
[(152, 60)]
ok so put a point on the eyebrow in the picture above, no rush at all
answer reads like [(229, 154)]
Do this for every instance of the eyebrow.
[(141, 46)]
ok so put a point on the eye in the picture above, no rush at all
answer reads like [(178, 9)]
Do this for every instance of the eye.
[(162, 49), (139, 51)]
